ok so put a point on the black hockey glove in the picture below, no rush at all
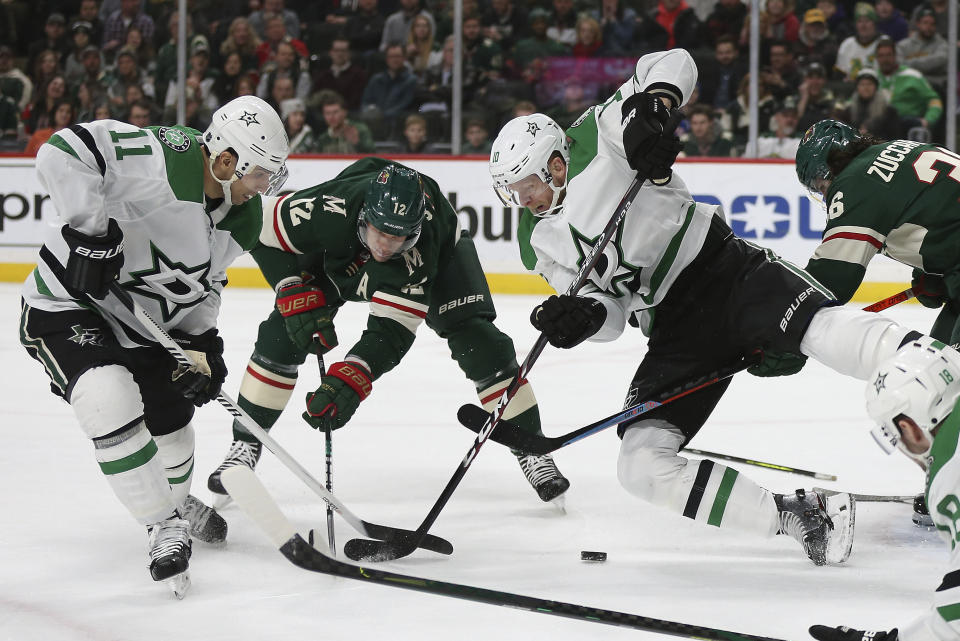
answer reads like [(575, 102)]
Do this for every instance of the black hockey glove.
[(649, 140), (567, 321), (200, 383), (94, 261), (778, 364), (843, 633), (930, 289)]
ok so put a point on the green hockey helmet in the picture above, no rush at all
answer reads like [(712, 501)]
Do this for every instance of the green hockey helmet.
[(394, 204), (815, 147)]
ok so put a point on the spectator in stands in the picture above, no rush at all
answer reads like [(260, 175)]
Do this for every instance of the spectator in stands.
[(225, 83), (477, 138), (199, 84), (40, 112), (242, 40), (940, 12), (736, 120), (72, 64), (704, 139), (523, 108), (126, 72), (783, 141), (88, 96), (88, 12), (573, 103), (389, 93), (890, 22), (910, 94), (445, 18), (14, 84), (782, 22), (837, 21), (397, 26), (720, 77), (282, 89), (783, 77), (64, 115), (274, 8), (46, 66), (538, 45), (302, 138), (868, 109), (435, 89), (816, 101), (343, 76), (926, 50), (859, 50), (166, 61), (364, 28), (247, 87), (276, 32), (589, 38), (9, 123), (420, 44), (102, 111), (482, 55), (342, 135), (141, 48), (562, 26), (115, 27), (816, 44), (726, 19), (415, 136), (140, 113), (673, 23), (94, 74), (54, 39), (505, 23), (285, 64)]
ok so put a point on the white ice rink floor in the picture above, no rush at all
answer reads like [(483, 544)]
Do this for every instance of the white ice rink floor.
[(73, 564)]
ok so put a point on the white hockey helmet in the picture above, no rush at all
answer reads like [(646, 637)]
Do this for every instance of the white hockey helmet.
[(520, 156), (921, 381), (252, 130)]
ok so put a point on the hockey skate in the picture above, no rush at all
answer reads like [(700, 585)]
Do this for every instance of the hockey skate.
[(921, 514), (241, 453), (823, 525), (169, 548), (205, 524), (543, 475)]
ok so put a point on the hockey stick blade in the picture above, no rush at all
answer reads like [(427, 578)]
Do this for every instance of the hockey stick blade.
[(506, 433), (254, 499)]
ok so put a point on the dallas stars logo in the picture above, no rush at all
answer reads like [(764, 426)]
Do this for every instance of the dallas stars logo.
[(533, 128), (612, 255), (83, 336), (249, 118), (173, 285), (881, 382)]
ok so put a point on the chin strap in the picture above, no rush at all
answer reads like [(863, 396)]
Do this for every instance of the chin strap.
[(225, 184)]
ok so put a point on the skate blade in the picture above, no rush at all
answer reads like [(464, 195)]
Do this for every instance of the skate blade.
[(221, 501), (842, 510), (560, 503), (179, 584)]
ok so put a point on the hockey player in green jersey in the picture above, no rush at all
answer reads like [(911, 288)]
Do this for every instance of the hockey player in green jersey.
[(150, 209), (385, 235), (704, 297), (914, 401)]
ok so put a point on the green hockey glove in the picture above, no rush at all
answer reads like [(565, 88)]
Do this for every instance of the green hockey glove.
[(343, 387), (930, 289), (778, 364), (305, 315)]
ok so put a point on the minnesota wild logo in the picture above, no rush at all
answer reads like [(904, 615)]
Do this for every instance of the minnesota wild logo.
[(174, 138)]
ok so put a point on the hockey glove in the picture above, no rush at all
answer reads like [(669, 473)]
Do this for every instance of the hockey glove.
[(202, 382), (305, 315), (843, 633), (567, 321), (650, 144), (930, 289), (94, 261), (778, 364), (341, 390)]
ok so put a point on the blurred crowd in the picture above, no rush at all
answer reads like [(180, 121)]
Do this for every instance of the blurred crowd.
[(364, 76)]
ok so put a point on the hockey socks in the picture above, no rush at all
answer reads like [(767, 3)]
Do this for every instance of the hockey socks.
[(264, 392)]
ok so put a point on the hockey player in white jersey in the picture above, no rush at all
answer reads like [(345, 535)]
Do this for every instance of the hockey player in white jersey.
[(147, 208), (914, 401), (704, 297)]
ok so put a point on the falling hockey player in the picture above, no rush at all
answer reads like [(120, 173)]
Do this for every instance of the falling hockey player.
[(704, 297), (385, 235), (914, 401), (148, 208)]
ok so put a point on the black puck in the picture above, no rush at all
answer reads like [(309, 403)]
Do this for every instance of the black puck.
[(586, 555)]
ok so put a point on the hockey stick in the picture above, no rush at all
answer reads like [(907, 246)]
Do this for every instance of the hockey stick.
[(249, 493), (772, 466), (870, 498), (328, 441), (434, 544), (365, 549), (896, 299), (474, 417)]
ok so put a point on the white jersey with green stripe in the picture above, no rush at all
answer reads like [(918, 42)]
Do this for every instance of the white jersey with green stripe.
[(942, 621), (662, 232), (151, 182)]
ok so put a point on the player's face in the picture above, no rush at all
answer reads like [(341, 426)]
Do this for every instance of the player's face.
[(531, 192), (256, 181), (382, 246), (913, 439)]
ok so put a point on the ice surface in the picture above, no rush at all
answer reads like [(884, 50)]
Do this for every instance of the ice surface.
[(73, 563)]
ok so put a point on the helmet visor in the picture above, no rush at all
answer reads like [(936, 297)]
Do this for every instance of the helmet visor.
[(263, 181), (530, 192)]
